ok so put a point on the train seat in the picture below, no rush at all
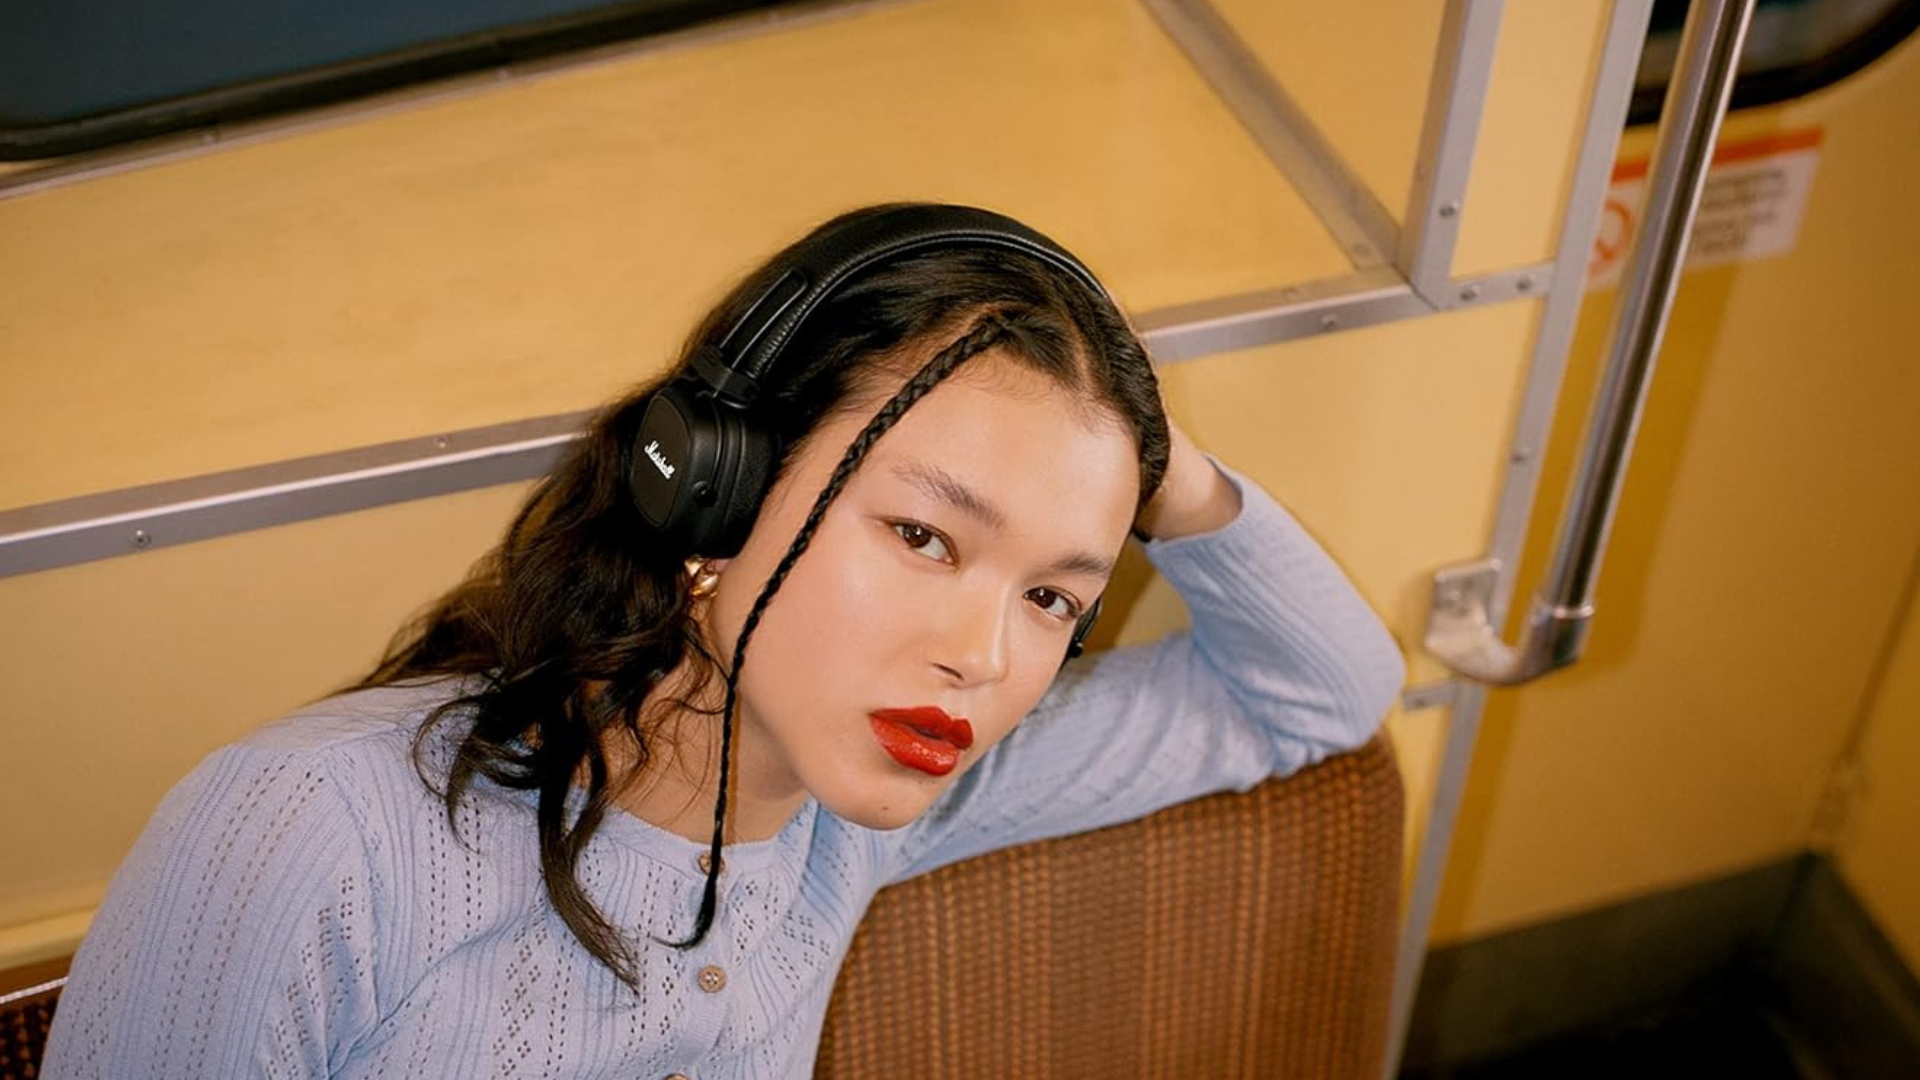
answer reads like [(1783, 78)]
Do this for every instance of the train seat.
[(1239, 935)]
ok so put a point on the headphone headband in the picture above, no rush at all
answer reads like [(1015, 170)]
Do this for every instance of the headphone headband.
[(702, 459), (749, 351)]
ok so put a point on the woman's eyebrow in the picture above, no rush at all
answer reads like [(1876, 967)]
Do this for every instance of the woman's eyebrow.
[(950, 489), (1083, 562)]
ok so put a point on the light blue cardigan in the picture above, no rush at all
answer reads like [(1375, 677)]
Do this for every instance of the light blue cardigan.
[(298, 907)]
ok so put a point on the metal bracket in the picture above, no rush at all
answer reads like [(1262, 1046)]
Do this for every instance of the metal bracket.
[(1463, 597), (1438, 694), (1460, 629)]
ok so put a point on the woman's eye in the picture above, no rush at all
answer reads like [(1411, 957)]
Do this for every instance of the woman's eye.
[(924, 540), (1055, 603)]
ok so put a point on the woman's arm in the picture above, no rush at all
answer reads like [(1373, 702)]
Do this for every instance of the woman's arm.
[(1284, 664), (235, 939)]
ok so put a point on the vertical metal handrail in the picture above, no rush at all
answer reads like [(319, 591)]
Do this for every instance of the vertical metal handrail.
[(1460, 631)]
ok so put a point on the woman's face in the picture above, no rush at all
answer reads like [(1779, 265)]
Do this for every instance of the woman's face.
[(947, 576)]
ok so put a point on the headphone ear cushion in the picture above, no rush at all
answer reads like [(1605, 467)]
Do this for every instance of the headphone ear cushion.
[(746, 463)]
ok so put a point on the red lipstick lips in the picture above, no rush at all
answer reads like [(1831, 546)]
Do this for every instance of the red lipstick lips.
[(923, 738)]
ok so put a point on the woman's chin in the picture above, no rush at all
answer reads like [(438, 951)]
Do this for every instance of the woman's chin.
[(882, 814)]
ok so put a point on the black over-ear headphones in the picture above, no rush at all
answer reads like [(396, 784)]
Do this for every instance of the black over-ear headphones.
[(702, 460)]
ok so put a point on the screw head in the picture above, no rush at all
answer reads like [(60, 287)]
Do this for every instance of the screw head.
[(1329, 322), (1471, 292), (1450, 209), (142, 538)]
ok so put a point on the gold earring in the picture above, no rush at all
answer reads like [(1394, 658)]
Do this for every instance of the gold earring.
[(705, 578)]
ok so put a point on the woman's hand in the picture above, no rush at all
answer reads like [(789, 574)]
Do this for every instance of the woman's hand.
[(1194, 497)]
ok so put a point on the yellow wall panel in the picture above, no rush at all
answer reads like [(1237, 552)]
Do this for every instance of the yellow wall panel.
[(1537, 102), (1360, 73), (530, 249), (1389, 444), (120, 675), (1771, 513)]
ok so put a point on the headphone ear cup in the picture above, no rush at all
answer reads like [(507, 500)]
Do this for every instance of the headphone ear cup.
[(698, 470), (662, 467)]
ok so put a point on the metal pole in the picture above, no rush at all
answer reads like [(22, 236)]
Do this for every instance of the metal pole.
[(1460, 630), (1689, 125)]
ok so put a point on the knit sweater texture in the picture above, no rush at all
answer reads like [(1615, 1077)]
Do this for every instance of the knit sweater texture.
[(299, 906)]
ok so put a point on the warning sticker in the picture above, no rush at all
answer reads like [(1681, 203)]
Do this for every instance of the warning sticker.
[(1751, 207)]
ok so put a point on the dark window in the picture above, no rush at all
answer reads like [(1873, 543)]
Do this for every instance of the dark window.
[(80, 75), (1793, 47)]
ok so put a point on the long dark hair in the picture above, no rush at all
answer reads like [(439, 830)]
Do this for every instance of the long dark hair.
[(568, 627)]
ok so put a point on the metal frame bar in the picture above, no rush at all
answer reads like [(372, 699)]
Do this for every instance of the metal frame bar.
[(1456, 98), (34, 991), (1361, 225), (1469, 701), (138, 519), (132, 520), (1365, 298)]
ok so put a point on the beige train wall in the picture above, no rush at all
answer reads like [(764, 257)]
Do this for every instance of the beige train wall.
[(1748, 634), (531, 249)]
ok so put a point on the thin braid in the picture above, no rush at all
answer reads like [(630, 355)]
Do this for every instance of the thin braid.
[(982, 337)]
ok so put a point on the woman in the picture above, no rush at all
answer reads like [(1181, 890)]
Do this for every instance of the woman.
[(759, 647)]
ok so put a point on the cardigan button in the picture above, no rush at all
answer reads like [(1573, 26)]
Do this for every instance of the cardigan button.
[(713, 978)]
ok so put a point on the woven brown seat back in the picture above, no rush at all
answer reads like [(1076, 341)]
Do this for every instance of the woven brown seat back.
[(1235, 936)]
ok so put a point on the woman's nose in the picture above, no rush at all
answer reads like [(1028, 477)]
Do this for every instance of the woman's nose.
[(970, 640)]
